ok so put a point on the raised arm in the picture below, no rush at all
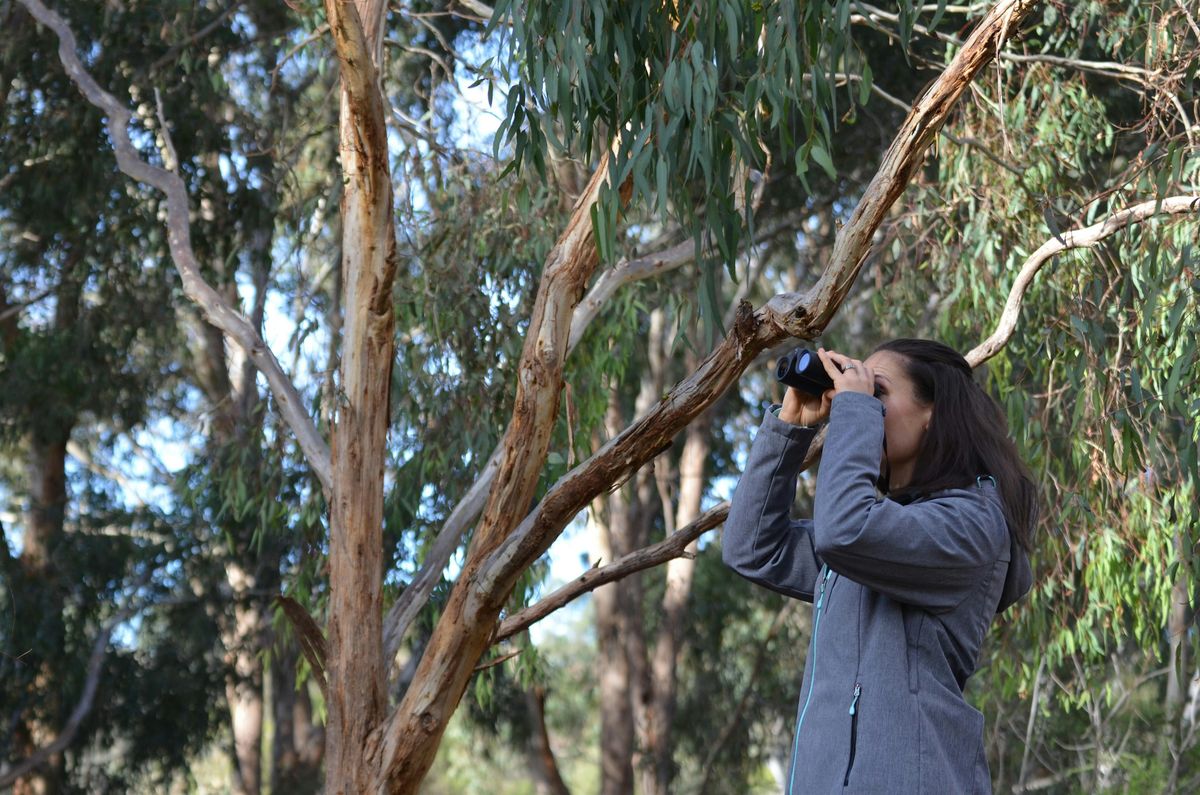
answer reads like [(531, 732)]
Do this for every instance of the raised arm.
[(760, 541)]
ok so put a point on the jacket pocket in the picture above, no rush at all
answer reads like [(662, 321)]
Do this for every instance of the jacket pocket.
[(914, 623), (853, 733)]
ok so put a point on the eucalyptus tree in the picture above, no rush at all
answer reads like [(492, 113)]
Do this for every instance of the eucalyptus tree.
[(367, 748), (671, 118)]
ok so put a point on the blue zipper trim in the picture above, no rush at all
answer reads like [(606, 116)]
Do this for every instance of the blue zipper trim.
[(811, 680)]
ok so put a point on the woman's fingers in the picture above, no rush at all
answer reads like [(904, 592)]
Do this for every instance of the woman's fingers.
[(848, 374), (829, 360)]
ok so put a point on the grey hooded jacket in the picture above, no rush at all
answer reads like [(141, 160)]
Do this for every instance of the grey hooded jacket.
[(903, 595)]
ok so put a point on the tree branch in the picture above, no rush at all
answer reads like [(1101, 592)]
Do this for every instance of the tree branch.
[(671, 547), (786, 314), (219, 312), (416, 595), (1078, 238), (82, 708)]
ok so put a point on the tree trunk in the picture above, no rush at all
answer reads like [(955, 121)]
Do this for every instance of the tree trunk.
[(298, 743), (243, 641), (411, 738), (680, 572), (43, 533), (356, 672), (47, 483), (612, 661), (542, 764)]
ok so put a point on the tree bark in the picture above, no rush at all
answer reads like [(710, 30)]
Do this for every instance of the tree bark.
[(356, 673), (547, 779), (414, 730), (612, 673)]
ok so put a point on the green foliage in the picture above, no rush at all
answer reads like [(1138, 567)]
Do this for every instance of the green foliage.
[(693, 97)]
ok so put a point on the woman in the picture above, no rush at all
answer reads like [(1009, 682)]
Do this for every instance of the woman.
[(904, 586)]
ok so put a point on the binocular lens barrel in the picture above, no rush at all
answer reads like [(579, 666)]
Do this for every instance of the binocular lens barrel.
[(802, 369)]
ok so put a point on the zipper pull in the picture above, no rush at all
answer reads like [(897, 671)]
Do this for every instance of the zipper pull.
[(857, 693), (821, 596)]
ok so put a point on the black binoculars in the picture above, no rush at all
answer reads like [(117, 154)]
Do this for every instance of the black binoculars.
[(802, 369)]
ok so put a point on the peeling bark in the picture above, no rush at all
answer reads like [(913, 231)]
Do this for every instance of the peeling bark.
[(356, 672)]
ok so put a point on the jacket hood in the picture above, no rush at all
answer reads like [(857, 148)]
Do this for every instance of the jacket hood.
[(1020, 576)]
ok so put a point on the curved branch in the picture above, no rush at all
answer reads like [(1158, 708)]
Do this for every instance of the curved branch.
[(218, 311), (1078, 238), (673, 546), (86, 700)]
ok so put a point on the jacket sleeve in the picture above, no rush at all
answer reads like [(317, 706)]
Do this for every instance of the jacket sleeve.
[(760, 541), (931, 553)]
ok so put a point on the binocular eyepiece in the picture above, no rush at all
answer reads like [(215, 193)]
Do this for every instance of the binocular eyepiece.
[(802, 369)]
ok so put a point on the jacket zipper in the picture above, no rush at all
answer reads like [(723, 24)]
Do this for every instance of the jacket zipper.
[(853, 732), (812, 680)]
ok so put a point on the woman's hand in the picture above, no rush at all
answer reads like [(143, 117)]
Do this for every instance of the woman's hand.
[(849, 375), (801, 408)]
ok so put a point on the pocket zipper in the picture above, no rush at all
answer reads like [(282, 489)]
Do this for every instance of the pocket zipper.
[(853, 732)]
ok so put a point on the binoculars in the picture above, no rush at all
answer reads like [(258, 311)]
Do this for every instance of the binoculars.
[(802, 369)]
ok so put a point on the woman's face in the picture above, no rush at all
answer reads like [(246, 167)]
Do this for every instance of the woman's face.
[(906, 420)]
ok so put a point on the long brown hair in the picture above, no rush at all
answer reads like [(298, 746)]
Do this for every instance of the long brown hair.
[(967, 436)]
